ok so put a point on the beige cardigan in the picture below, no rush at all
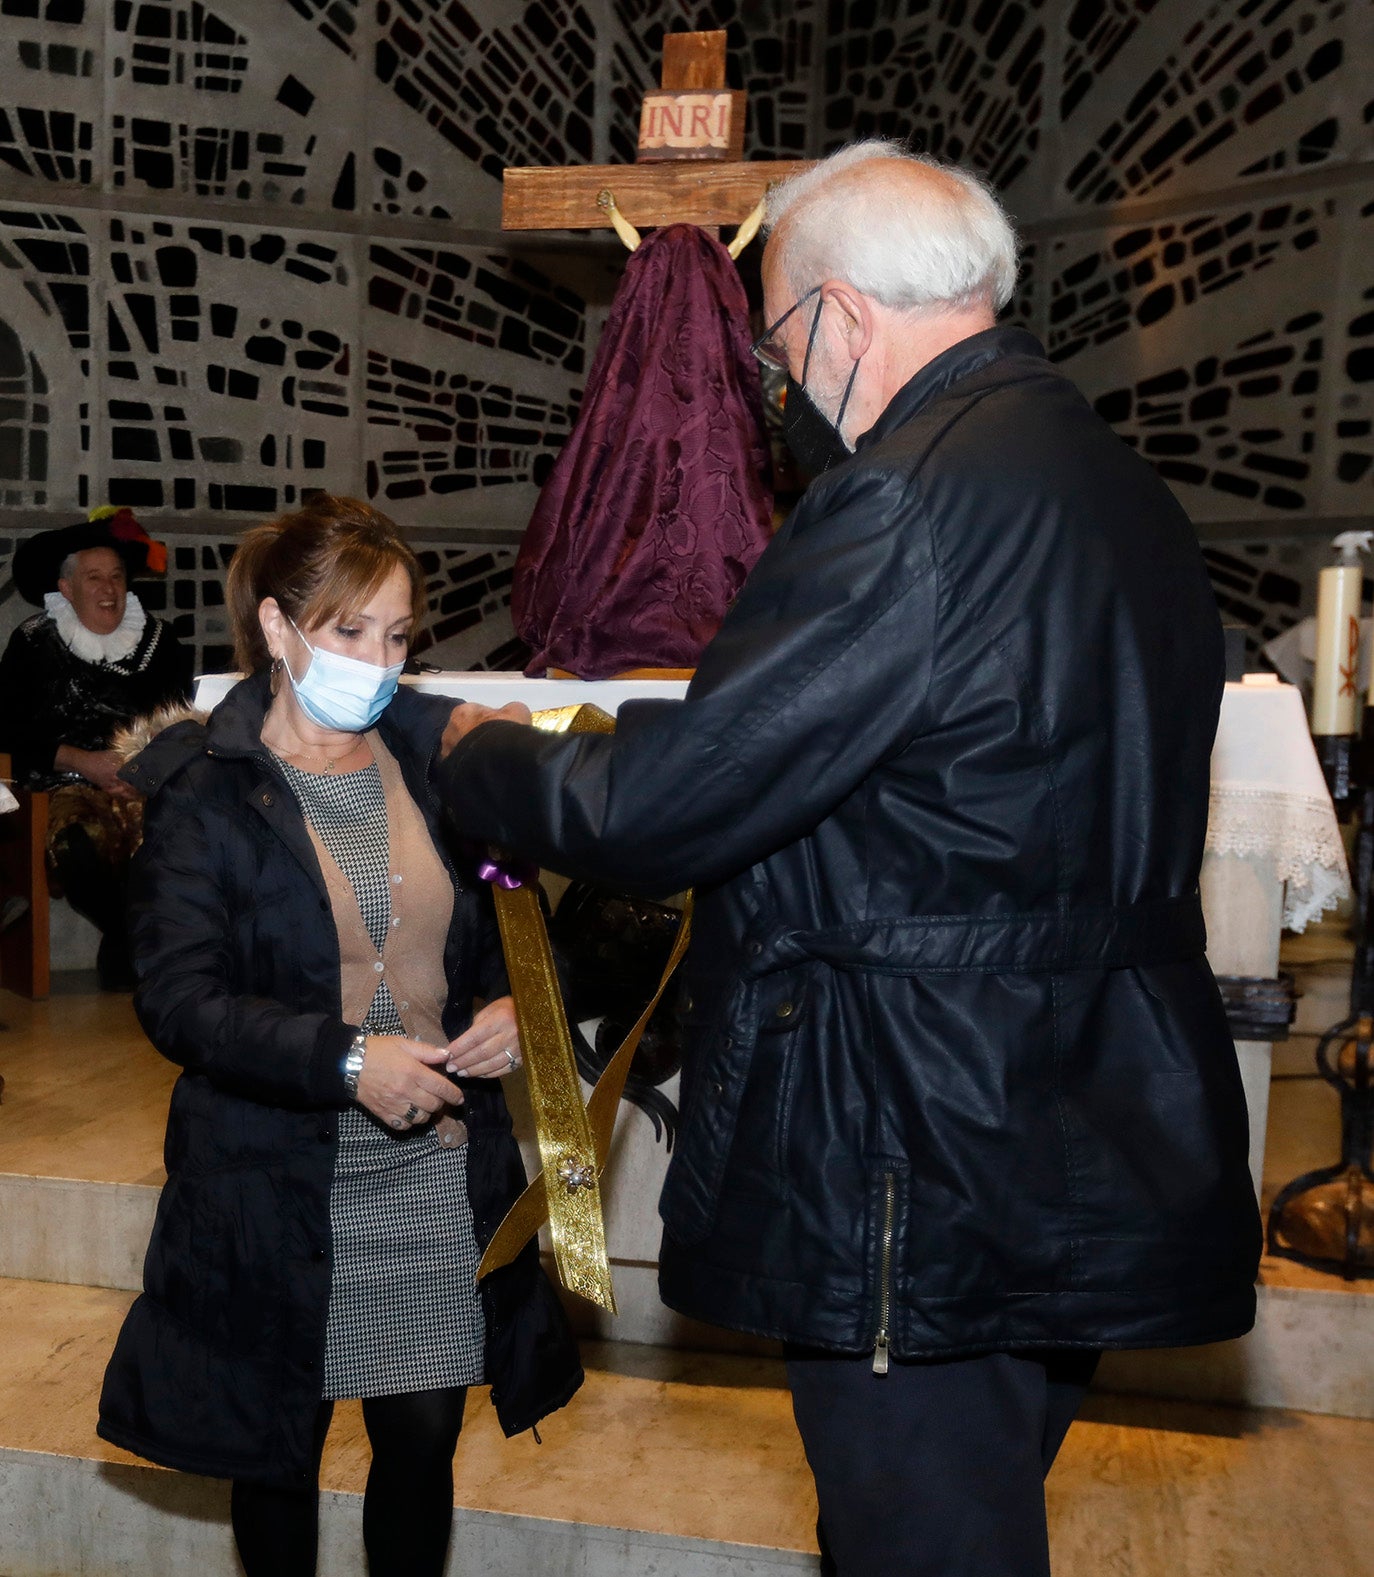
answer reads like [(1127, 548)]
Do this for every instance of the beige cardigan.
[(411, 959)]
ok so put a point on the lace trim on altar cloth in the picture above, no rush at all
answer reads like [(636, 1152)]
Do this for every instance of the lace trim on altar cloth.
[(1298, 832)]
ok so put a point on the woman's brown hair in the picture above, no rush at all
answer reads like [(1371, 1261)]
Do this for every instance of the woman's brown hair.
[(322, 561)]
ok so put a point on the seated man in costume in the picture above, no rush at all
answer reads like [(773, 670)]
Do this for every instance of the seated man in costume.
[(71, 676)]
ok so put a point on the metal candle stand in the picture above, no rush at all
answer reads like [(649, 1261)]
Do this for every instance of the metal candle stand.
[(1325, 1218)]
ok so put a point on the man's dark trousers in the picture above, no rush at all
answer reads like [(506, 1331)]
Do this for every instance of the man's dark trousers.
[(935, 1469)]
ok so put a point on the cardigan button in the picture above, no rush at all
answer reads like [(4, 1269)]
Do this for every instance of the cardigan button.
[(379, 966), (267, 799)]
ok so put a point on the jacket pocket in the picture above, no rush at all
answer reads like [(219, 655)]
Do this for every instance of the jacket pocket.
[(716, 1056), (737, 1083), (765, 1120)]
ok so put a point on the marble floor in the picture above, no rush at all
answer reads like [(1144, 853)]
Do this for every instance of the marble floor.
[(85, 1094), (689, 1446)]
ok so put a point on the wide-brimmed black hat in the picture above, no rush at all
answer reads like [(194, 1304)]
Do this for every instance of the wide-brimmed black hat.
[(38, 560)]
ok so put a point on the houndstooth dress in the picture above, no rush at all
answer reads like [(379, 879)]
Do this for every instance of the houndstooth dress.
[(404, 1312)]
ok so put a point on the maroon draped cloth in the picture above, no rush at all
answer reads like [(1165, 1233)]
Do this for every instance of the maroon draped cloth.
[(659, 503)]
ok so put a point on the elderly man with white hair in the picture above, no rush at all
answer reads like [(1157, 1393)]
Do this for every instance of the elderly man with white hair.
[(960, 1107)]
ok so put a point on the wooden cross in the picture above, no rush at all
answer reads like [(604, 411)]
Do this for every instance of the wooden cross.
[(688, 189)]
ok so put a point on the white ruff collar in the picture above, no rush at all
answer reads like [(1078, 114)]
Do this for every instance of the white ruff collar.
[(86, 644)]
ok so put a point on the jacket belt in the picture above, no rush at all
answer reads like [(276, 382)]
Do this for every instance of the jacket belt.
[(1057, 940)]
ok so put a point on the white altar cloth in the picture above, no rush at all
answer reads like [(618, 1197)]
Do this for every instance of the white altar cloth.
[(1274, 856), (1269, 799), (496, 689)]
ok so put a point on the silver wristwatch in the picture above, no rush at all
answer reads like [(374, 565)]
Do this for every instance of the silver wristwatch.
[(353, 1064)]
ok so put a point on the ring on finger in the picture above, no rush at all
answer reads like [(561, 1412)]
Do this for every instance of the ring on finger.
[(510, 1057), (410, 1114)]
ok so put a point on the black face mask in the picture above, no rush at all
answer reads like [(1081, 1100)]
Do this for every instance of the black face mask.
[(811, 436)]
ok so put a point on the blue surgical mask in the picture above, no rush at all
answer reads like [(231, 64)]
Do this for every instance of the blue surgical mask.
[(343, 692)]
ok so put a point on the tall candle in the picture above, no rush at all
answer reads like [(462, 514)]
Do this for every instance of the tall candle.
[(1339, 589)]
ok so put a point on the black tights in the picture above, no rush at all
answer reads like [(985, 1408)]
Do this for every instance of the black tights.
[(408, 1509)]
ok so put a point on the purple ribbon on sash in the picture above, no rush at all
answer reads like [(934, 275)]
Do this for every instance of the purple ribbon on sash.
[(508, 872)]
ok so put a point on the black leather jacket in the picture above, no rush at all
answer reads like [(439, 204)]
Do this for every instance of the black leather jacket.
[(958, 1076), (218, 1368)]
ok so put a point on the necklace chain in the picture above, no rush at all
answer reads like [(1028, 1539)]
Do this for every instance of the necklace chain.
[(330, 762)]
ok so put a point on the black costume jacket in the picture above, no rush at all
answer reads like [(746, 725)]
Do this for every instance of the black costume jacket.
[(219, 1366), (957, 1073), (49, 696)]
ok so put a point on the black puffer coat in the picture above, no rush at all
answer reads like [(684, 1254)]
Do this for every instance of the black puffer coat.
[(958, 1077), (219, 1365)]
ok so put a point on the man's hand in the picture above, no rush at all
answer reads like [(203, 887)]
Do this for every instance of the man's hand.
[(469, 715), (100, 767)]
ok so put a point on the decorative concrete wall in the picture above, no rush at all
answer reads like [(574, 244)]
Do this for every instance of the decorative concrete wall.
[(251, 247), (1195, 185)]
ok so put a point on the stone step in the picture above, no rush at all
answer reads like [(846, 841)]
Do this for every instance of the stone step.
[(81, 1131), (1310, 1349), (72, 1230), (667, 1464), (630, 1479)]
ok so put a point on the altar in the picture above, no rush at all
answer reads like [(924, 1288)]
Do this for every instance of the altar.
[(1274, 859)]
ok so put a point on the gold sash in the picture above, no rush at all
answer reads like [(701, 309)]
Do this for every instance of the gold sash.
[(574, 1140)]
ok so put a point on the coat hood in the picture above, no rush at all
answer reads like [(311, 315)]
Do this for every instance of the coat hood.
[(140, 732)]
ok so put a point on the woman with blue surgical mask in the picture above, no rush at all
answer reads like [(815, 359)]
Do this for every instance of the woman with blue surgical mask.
[(338, 1146), (342, 694)]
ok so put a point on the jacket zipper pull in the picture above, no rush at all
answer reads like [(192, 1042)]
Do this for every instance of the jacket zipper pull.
[(885, 1274)]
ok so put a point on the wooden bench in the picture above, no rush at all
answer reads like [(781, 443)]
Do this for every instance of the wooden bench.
[(24, 963)]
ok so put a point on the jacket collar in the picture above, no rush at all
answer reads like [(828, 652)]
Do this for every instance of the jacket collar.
[(411, 722), (970, 356), (411, 726)]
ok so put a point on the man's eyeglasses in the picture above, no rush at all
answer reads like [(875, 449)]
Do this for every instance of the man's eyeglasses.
[(768, 349)]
